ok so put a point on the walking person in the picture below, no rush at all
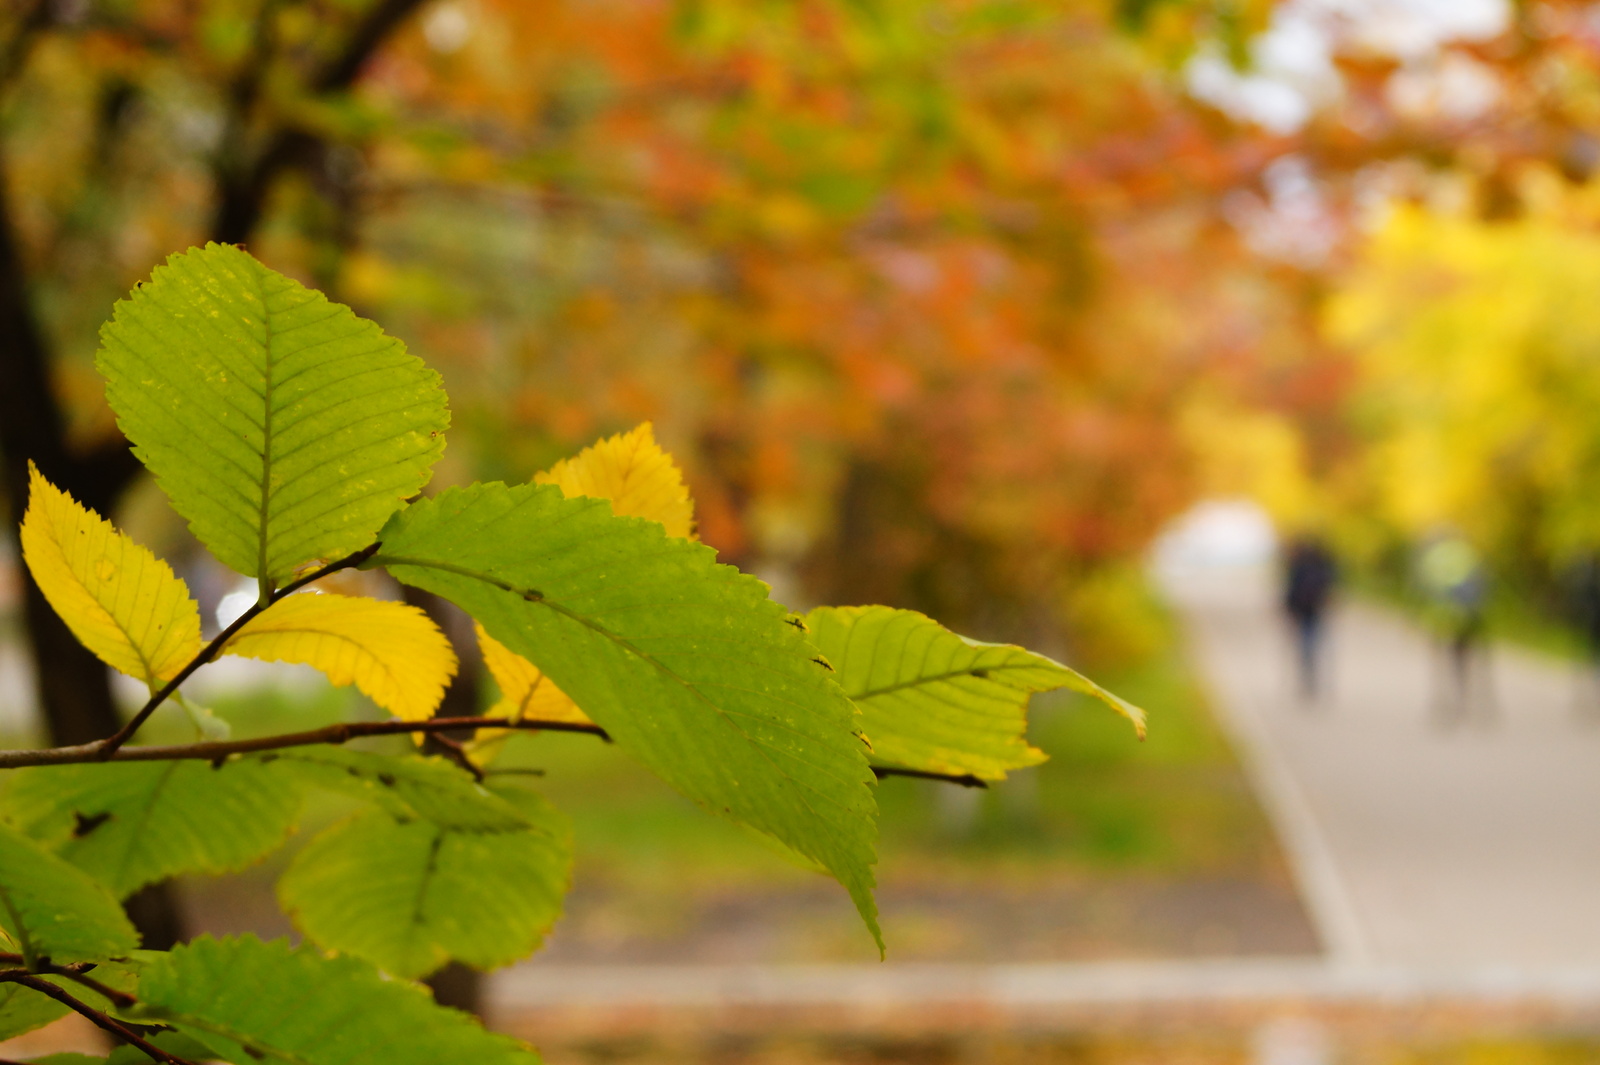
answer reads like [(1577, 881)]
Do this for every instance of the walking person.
[(1310, 573), (1454, 579), (1582, 587)]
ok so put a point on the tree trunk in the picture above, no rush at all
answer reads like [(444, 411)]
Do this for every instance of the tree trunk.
[(74, 687), (455, 985)]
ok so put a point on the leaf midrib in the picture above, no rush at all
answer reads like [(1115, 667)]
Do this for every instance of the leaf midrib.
[(24, 939), (141, 820), (937, 677), (264, 578), (414, 928), (108, 536), (630, 648)]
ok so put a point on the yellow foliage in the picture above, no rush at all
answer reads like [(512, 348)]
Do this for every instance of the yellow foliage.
[(391, 651), (641, 481), (632, 471), (1477, 348), (524, 690), (1253, 453), (1113, 620), (123, 603)]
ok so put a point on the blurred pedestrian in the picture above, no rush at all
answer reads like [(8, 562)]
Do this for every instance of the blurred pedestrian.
[(1309, 576), (1582, 587), (1456, 584)]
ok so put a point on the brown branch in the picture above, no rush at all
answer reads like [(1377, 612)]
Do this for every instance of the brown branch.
[(455, 752), (241, 194), (14, 54), (78, 973), (365, 40), (101, 1020), (331, 734), (107, 747), (966, 780)]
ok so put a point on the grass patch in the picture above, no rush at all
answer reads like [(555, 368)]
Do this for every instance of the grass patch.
[(1175, 805)]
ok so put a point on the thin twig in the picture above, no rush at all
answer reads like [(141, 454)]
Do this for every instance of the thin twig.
[(351, 730), (332, 734), (966, 780), (456, 753), (111, 748), (120, 999), (106, 748), (78, 973), (101, 1020)]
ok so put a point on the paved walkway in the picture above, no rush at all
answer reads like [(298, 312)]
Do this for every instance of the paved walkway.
[(1456, 867), (1415, 846), (583, 1001)]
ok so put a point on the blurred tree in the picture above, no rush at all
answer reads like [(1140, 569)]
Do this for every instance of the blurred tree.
[(938, 279), (1477, 343), (94, 99), (881, 270), (103, 100), (1452, 182)]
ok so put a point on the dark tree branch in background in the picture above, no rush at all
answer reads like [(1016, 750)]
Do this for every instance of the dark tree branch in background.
[(38, 18), (243, 186), (73, 686), (369, 35), (72, 683), (101, 1020)]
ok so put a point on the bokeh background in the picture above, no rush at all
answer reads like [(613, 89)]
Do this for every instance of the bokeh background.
[(1053, 319)]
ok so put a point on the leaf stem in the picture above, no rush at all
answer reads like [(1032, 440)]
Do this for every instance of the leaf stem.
[(106, 748), (101, 1020), (456, 753)]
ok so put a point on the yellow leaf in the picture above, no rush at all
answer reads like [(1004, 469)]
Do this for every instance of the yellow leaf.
[(632, 471), (391, 651), (121, 601), (524, 690), (641, 481)]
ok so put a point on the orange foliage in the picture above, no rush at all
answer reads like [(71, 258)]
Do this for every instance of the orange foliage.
[(966, 257)]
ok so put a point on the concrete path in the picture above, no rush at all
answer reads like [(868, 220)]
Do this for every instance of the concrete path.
[(570, 1002), (1477, 846), (1455, 869)]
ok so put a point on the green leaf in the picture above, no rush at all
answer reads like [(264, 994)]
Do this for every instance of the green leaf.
[(174, 1043), (935, 701), (129, 824), (410, 896), (407, 786), (23, 1009), (687, 664), (282, 426), (54, 910), (252, 1000)]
